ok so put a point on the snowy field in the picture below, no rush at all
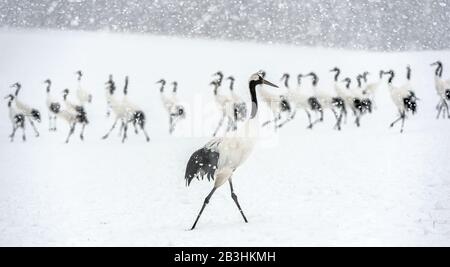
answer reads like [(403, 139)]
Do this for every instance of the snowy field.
[(361, 186)]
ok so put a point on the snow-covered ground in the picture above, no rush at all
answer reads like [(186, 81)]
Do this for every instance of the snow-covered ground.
[(366, 186)]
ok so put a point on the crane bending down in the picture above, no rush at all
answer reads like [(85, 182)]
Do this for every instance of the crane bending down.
[(220, 157)]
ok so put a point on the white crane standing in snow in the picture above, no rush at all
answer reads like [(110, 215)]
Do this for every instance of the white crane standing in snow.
[(442, 89), (299, 100), (78, 110), (278, 104), (133, 115), (239, 106), (327, 101), (220, 157), (115, 105), (177, 111), (344, 94), (360, 104), (32, 114), (82, 95), (224, 104), (168, 102), (403, 98), (17, 119), (53, 106)]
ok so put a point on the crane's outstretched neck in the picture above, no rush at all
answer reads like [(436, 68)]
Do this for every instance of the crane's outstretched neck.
[(252, 86)]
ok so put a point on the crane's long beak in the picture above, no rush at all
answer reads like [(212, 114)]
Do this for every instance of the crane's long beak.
[(269, 83)]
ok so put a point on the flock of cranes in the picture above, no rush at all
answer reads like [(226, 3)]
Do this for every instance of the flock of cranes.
[(349, 97), (221, 156)]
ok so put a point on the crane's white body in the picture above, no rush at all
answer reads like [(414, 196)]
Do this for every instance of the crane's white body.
[(234, 149), (398, 93), (441, 86), (22, 107), (82, 94)]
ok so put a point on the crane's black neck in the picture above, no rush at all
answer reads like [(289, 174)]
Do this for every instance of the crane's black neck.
[(408, 73), (252, 87), (286, 80), (112, 87), (315, 80), (161, 89), (125, 88), (175, 85), (231, 84), (336, 76), (439, 71), (17, 91), (391, 77), (358, 79), (347, 83), (216, 86), (48, 87)]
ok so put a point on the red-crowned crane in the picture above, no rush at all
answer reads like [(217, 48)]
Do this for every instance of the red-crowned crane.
[(220, 157), (403, 98), (32, 114), (53, 106), (17, 119), (442, 89)]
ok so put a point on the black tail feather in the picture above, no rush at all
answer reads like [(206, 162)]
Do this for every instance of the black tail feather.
[(203, 162)]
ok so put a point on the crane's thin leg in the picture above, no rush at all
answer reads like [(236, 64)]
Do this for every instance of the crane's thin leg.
[(358, 119), (171, 124), (82, 132), (397, 120), (338, 119), (110, 130), (234, 197), (50, 123), (220, 124), (145, 133), (54, 123), (446, 108), (291, 117), (439, 109), (122, 124), (309, 119), (125, 129), (34, 128), (318, 119), (403, 116), (13, 133), (203, 207), (71, 131), (135, 128), (275, 121), (24, 138)]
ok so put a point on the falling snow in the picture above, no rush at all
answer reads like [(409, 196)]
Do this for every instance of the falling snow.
[(375, 24)]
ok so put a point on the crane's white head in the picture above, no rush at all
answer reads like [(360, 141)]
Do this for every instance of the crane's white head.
[(335, 69), (79, 74), (16, 85), (65, 93), (258, 79), (437, 63)]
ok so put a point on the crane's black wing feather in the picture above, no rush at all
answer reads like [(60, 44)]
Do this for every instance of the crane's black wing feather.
[(447, 94), (203, 162), (410, 102)]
